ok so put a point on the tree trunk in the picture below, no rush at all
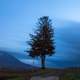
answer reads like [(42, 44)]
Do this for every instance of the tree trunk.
[(42, 61)]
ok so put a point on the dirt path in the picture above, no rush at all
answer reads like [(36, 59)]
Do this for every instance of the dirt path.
[(45, 78)]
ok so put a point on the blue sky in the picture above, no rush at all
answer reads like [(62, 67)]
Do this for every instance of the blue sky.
[(18, 18)]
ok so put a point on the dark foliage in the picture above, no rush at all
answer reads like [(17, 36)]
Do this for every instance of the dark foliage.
[(42, 42)]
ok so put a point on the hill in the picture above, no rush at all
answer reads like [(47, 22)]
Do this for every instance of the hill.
[(9, 62)]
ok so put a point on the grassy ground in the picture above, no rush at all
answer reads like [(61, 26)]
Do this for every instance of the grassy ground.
[(16, 78), (68, 74), (71, 76)]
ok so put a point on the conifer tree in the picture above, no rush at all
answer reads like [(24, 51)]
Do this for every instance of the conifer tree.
[(42, 41)]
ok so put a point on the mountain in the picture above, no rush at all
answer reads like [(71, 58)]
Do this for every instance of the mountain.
[(7, 61), (67, 39)]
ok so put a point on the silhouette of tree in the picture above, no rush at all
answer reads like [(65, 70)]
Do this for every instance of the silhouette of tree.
[(42, 42)]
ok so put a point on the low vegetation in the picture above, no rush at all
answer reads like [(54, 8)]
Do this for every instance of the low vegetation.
[(63, 74), (71, 76), (16, 78)]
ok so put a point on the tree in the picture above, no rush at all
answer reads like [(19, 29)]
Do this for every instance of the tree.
[(42, 42)]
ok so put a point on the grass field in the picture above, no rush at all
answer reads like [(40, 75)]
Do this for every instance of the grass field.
[(64, 74), (71, 76), (16, 78)]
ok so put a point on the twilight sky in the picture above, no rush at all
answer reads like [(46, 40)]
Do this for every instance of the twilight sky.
[(18, 18)]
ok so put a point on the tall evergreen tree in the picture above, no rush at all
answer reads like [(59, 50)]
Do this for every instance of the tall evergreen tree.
[(42, 42)]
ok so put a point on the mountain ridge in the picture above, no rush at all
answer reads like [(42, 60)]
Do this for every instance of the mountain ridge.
[(8, 61)]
